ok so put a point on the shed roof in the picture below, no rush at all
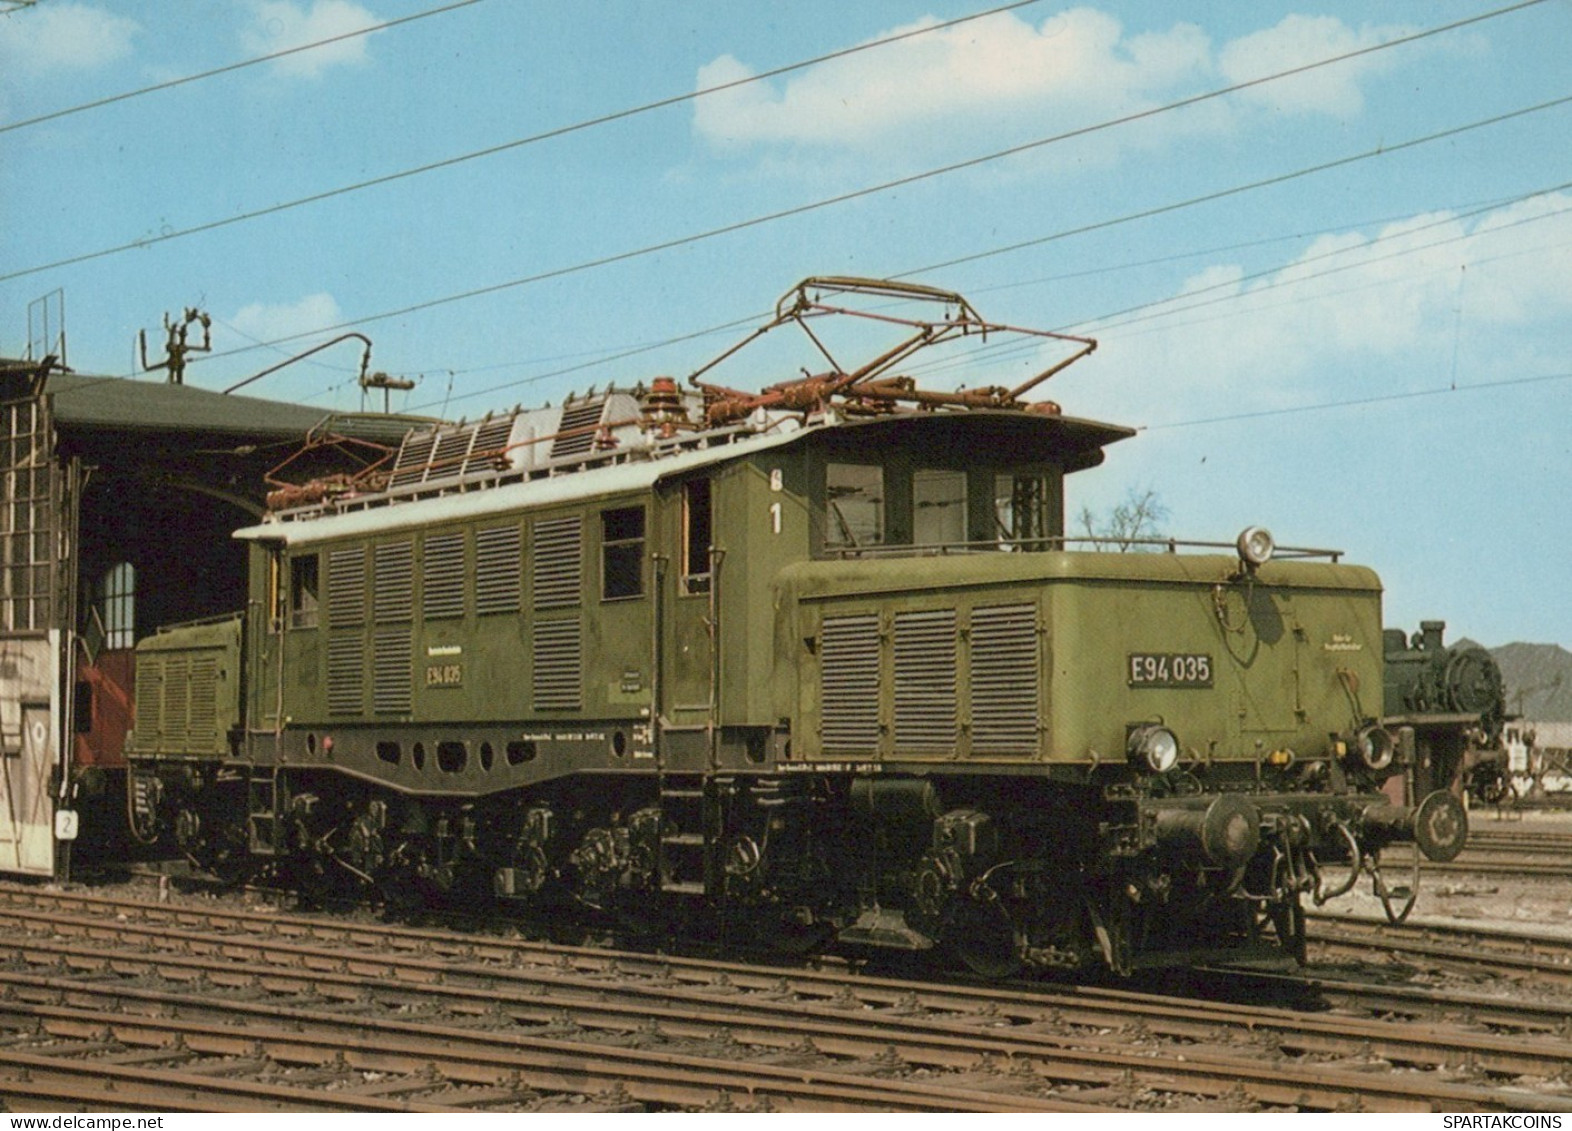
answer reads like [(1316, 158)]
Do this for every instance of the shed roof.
[(116, 404)]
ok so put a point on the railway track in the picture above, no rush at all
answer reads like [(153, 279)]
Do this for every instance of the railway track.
[(1540, 959), (402, 1016), (1516, 852)]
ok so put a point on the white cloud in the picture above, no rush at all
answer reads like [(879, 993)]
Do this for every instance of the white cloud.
[(1295, 42), (1077, 61), (1077, 68), (56, 37), (1361, 315), (268, 322), (278, 25)]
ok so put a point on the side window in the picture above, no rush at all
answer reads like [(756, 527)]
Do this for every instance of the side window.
[(938, 508), (1021, 512), (854, 499), (622, 553), (698, 535), (115, 605), (304, 591)]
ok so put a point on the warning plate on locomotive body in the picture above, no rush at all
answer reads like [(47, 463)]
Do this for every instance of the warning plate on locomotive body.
[(1169, 669)]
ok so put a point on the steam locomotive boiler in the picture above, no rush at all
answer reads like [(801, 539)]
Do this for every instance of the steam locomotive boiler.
[(1455, 700), (816, 663)]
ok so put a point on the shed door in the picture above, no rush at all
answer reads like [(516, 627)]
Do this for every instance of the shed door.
[(29, 754), (32, 551)]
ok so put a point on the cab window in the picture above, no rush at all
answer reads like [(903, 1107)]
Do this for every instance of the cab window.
[(1022, 515), (622, 553), (938, 508), (697, 536), (303, 592), (854, 500)]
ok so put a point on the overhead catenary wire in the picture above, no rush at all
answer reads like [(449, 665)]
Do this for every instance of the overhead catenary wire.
[(508, 146), (1154, 309), (886, 186), (274, 56), (1144, 313), (1235, 190), (1361, 402), (1476, 262), (597, 358), (1116, 221)]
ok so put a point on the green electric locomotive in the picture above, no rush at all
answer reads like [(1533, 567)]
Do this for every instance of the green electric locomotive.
[(817, 663)]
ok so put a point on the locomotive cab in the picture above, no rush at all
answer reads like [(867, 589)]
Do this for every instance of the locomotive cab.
[(1138, 757)]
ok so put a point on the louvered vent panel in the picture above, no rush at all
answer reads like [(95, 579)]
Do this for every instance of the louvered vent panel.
[(346, 680), (150, 726), (576, 434), (414, 459), (925, 681), (392, 671), (849, 684), (558, 662), (202, 719), (498, 570), (557, 558), (347, 587), (489, 448), (1005, 660), (393, 583), (177, 704), (447, 462), (442, 577), (452, 453)]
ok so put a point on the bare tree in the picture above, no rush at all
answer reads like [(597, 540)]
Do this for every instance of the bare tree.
[(1129, 526)]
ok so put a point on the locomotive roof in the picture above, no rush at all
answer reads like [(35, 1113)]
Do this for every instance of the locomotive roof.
[(1072, 442), (625, 441)]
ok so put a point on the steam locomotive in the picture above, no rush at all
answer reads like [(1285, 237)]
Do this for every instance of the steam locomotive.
[(816, 664), (1454, 699)]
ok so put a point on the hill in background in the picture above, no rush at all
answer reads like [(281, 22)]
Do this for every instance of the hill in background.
[(1538, 680)]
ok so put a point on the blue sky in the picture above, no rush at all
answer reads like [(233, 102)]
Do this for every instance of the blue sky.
[(1366, 350)]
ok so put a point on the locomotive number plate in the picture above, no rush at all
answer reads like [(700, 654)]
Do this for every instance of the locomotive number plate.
[(1169, 669)]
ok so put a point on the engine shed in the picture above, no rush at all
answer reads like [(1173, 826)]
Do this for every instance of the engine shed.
[(119, 500)]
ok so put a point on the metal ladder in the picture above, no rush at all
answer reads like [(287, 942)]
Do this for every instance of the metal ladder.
[(263, 826), (686, 805)]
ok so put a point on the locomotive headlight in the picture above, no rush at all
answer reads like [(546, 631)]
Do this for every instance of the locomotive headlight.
[(1153, 746), (1255, 546), (1374, 746)]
